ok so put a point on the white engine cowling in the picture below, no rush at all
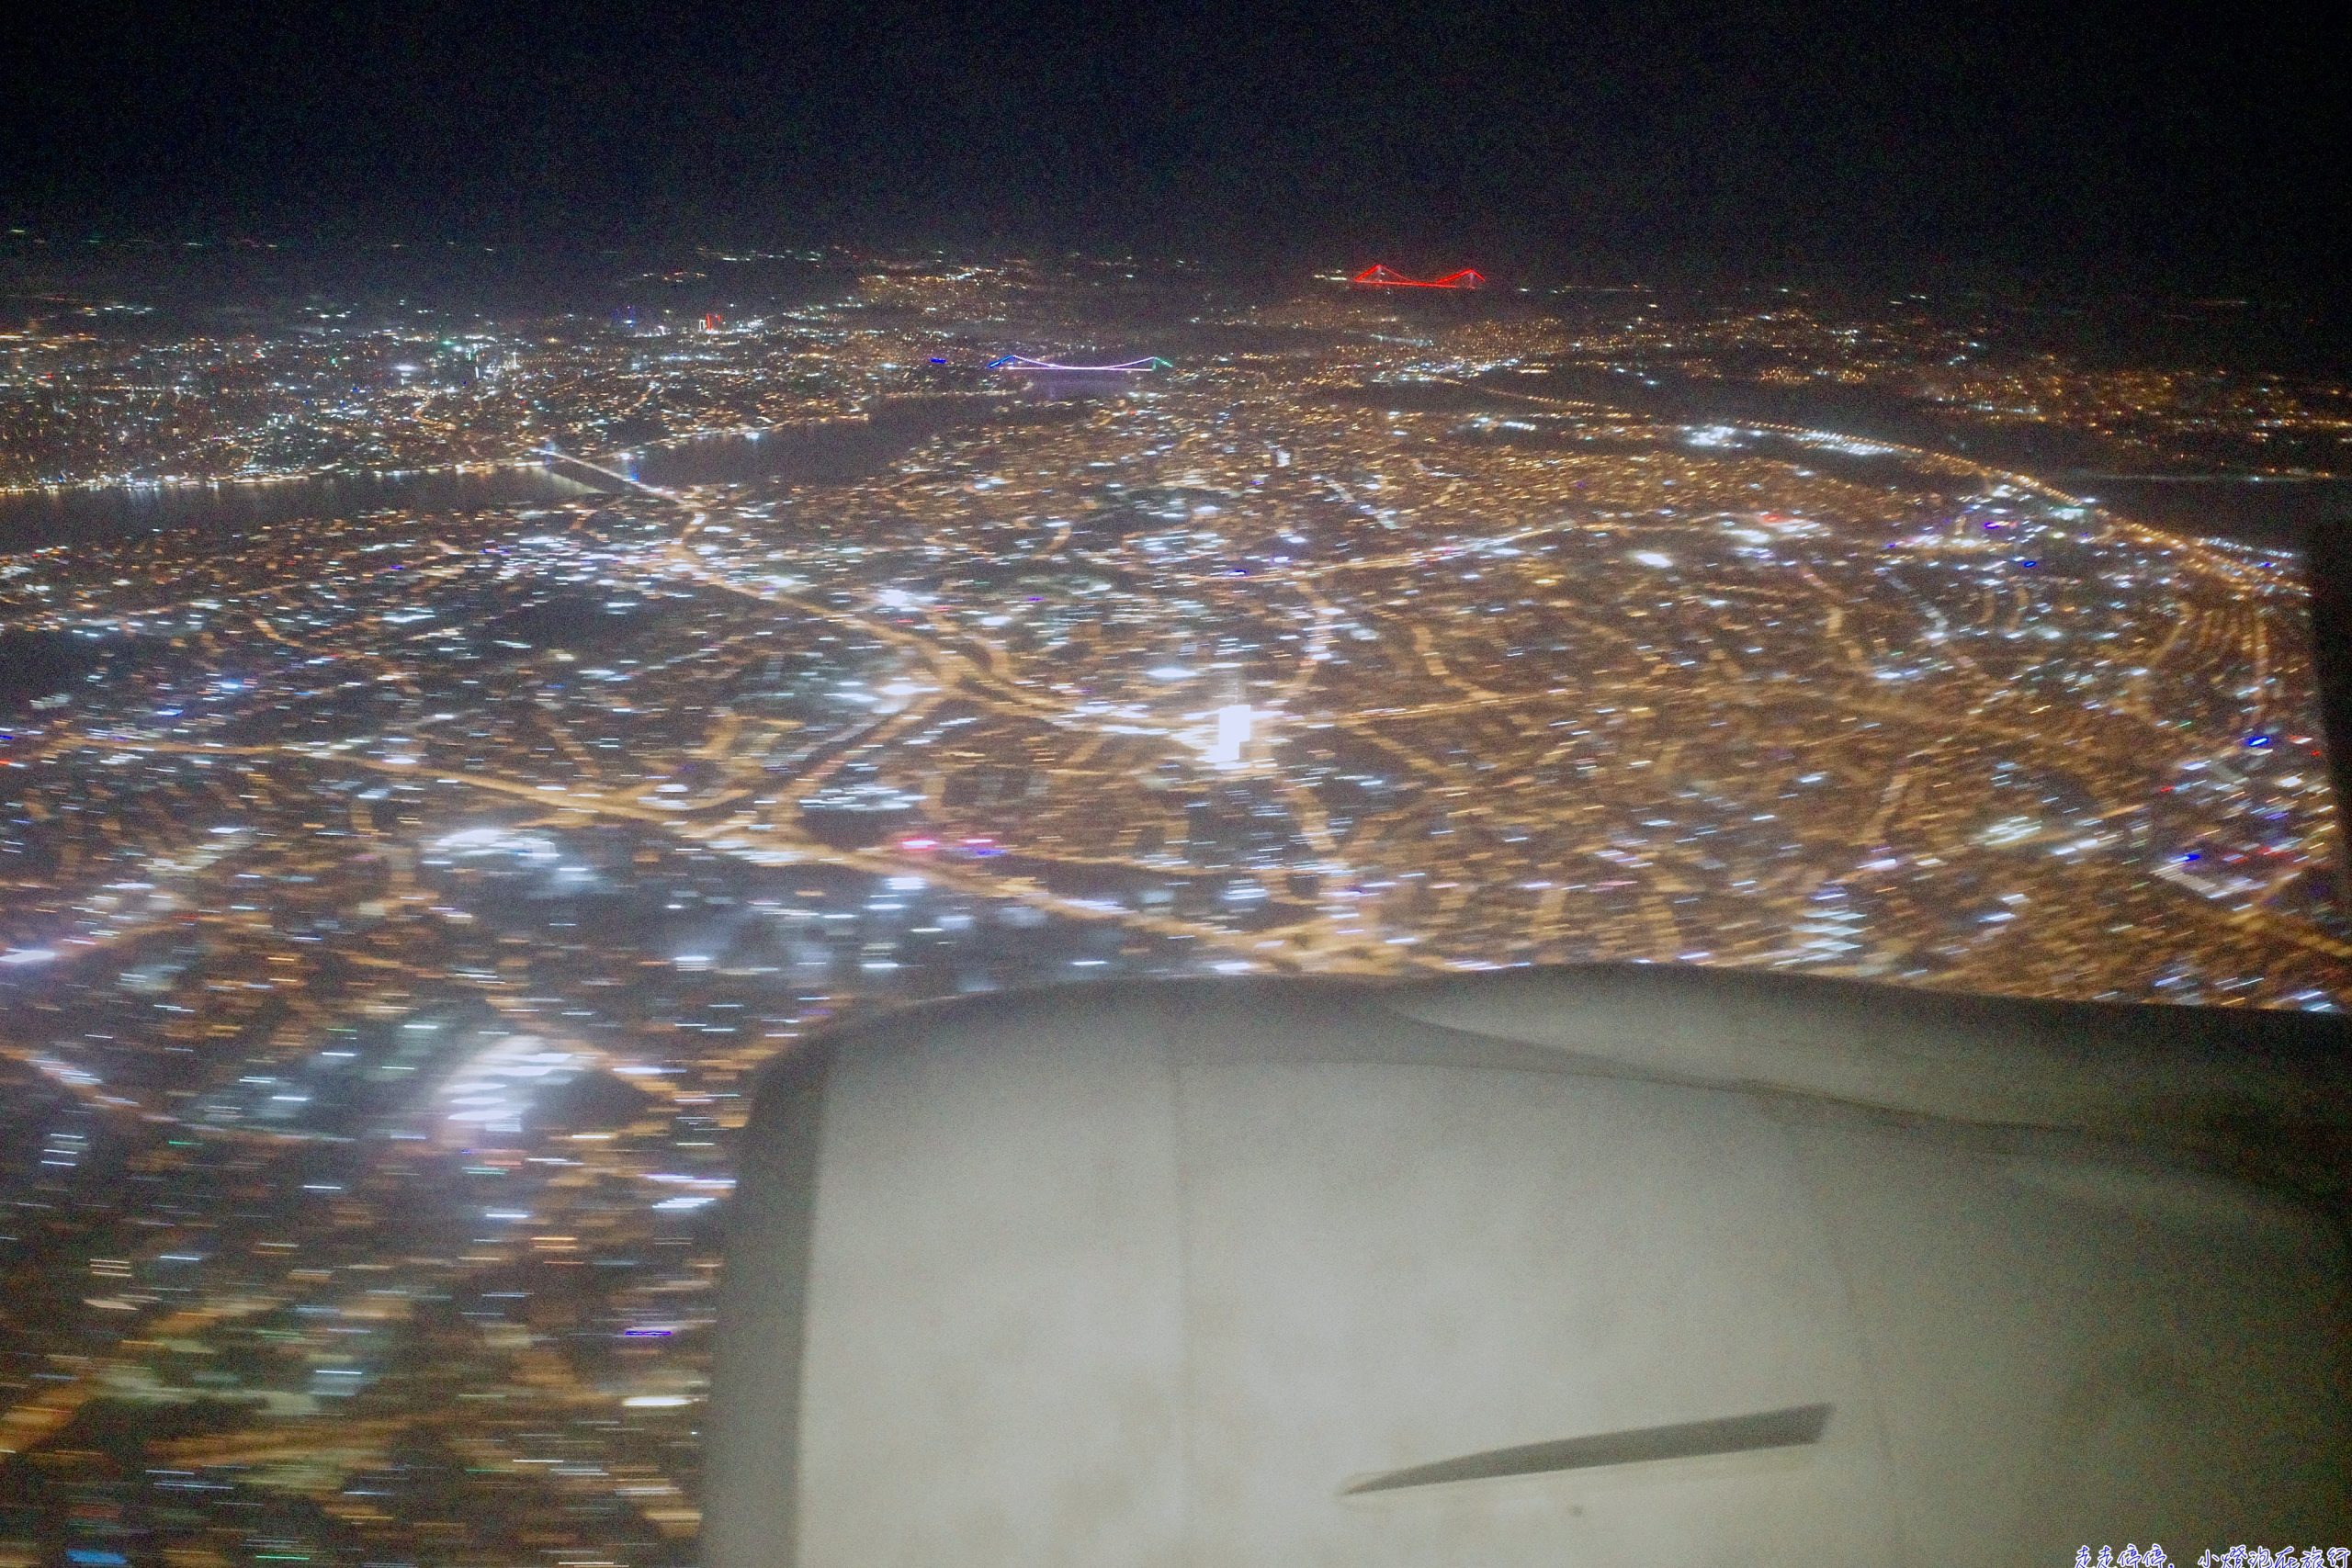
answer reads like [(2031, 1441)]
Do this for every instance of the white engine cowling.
[(1610, 1266)]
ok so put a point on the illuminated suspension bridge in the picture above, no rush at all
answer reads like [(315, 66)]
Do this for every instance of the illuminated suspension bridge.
[(1125, 367), (1380, 276)]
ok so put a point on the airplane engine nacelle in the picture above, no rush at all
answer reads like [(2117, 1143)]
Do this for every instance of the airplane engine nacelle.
[(1611, 1267)]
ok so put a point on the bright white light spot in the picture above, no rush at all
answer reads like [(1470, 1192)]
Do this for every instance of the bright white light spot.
[(1232, 734)]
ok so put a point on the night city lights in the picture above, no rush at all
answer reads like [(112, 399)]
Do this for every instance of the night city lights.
[(1033, 785), (519, 729)]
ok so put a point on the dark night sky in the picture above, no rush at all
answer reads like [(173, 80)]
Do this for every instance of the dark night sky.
[(2119, 144)]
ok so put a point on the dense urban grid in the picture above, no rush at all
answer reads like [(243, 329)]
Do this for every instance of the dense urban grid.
[(398, 902)]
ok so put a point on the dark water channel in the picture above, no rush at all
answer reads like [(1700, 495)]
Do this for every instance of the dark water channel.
[(2255, 509), (818, 452)]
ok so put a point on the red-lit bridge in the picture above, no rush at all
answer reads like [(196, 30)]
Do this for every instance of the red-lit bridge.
[(1380, 276)]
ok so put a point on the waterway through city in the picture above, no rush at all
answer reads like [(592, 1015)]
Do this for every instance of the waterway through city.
[(833, 451), (2253, 509), (2266, 510)]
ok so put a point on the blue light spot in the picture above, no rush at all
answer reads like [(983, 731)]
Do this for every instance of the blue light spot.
[(2258, 741)]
